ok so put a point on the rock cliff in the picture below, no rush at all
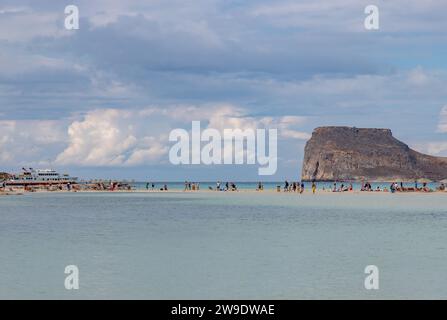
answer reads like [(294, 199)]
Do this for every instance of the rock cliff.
[(355, 154)]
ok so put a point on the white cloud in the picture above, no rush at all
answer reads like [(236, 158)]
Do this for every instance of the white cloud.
[(288, 128), (113, 137), (437, 148), (28, 142), (418, 77), (21, 24), (348, 15), (338, 14), (7, 10), (234, 118), (109, 137), (434, 148)]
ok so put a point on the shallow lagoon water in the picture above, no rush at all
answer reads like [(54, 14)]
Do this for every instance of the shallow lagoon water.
[(216, 245)]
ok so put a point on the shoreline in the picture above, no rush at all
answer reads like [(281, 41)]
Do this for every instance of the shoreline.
[(205, 191)]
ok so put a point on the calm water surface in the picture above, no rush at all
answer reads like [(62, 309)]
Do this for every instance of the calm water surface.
[(223, 245)]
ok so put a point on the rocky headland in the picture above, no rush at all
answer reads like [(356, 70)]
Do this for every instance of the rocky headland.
[(358, 154)]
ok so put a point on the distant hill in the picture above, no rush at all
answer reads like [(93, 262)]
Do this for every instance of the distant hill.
[(349, 153)]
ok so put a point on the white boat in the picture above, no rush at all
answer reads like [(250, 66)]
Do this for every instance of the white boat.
[(40, 176)]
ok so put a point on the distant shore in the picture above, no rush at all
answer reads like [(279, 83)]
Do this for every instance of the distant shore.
[(20, 191), (286, 187)]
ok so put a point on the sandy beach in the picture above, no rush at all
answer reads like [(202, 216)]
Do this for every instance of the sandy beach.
[(21, 191)]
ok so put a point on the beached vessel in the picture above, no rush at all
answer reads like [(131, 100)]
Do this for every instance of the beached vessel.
[(39, 177)]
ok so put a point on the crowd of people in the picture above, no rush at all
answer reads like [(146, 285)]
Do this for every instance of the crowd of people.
[(366, 186), (228, 186), (294, 187), (400, 187), (192, 186), (164, 187), (300, 186)]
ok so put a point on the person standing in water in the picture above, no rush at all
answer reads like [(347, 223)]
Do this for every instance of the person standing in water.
[(314, 187)]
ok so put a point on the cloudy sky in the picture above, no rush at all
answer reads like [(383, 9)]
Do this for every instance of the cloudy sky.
[(100, 101)]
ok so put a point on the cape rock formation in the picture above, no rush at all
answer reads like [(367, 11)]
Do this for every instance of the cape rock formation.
[(356, 154)]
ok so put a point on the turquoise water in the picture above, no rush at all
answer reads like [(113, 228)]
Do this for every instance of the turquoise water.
[(223, 245)]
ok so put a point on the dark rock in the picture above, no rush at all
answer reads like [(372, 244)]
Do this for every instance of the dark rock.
[(355, 154)]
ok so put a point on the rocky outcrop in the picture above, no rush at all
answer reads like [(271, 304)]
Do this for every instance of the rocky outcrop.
[(355, 154), (4, 176)]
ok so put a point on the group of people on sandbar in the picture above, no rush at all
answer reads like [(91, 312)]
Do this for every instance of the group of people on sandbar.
[(164, 187), (342, 188), (192, 186), (400, 187), (294, 187), (228, 186), (395, 187)]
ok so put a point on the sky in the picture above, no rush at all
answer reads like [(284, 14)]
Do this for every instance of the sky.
[(100, 101)]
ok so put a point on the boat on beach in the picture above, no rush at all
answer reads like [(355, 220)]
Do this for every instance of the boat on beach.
[(29, 177)]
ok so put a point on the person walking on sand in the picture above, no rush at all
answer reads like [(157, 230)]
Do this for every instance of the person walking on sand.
[(302, 187), (314, 187)]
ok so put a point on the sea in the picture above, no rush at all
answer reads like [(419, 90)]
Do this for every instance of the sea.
[(223, 245)]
